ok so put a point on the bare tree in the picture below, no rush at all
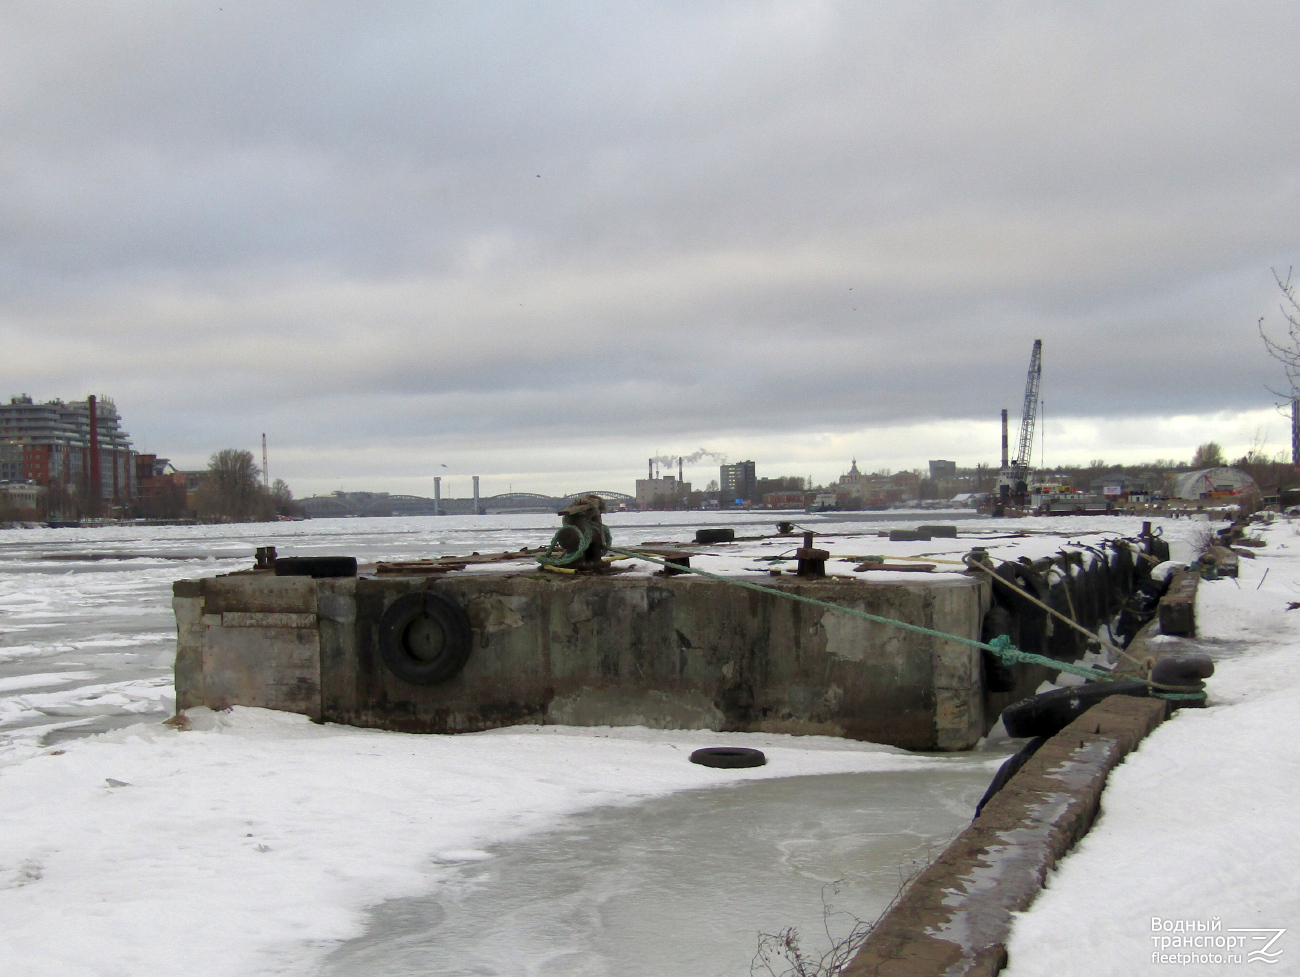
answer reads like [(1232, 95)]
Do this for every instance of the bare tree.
[(232, 490), (1286, 350), (282, 498), (1208, 455), (61, 502)]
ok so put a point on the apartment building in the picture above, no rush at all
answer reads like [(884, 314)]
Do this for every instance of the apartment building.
[(78, 446)]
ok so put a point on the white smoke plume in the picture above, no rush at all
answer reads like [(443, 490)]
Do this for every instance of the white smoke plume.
[(693, 458)]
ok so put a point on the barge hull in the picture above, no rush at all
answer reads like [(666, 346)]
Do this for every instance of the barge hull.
[(664, 652)]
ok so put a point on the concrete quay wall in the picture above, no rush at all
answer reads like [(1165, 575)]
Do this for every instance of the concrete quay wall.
[(955, 917), (662, 651), (667, 652)]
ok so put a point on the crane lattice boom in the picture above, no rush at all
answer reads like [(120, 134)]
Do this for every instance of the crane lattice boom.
[(1031, 406)]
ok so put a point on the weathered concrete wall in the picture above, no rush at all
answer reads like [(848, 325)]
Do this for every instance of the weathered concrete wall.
[(250, 645), (954, 919), (672, 652), (659, 651)]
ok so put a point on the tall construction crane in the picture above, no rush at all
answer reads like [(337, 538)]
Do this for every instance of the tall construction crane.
[(1013, 480), (1030, 414)]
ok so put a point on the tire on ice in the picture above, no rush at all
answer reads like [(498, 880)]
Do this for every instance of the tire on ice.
[(728, 757)]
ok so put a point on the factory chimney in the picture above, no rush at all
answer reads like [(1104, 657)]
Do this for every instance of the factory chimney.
[(477, 510), (1005, 459), (437, 495), (94, 488), (651, 473)]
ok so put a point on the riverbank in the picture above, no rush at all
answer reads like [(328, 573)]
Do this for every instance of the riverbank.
[(1196, 842)]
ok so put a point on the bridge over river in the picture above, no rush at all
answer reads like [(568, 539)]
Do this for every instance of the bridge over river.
[(343, 504)]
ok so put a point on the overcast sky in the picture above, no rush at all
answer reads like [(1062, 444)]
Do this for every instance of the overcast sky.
[(540, 242)]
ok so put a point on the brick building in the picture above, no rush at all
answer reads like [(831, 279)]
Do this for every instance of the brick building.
[(162, 492)]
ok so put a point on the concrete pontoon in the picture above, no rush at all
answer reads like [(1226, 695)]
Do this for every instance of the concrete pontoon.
[(636, 646)]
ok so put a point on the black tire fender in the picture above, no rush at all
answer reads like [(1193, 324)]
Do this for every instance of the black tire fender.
[(425, 638), (998, 675), (715, 535), (316, 566), (728, 757), (1051, 712), (1009, 769), (1002, 594)]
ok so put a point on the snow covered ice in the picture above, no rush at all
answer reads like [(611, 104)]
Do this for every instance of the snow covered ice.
[(259, 843)]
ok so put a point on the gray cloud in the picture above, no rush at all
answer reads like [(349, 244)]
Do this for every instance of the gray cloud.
[(463, 225)]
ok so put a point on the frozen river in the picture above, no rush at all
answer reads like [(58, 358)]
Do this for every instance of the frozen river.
[(666, 880)]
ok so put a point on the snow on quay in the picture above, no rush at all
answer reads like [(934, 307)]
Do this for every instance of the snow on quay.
[(1199, 835), (253, 843)]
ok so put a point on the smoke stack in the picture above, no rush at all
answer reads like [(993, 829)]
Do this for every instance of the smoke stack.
[(476, 508), (1005, 459), (95, 489), (650, 473), (679, 469), (437, 495)]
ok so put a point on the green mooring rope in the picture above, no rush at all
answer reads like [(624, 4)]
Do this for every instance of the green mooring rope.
[(1000, 646), (575, 555)]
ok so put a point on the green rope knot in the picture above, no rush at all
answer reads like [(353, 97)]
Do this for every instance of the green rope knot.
[(1003, 648), (584, 540), (1009, 653)]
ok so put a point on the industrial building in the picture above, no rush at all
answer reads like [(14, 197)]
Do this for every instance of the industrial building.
[(1215, 483), (163, 492), (667, 492), (737, 482), (78, 447), (661, 493)]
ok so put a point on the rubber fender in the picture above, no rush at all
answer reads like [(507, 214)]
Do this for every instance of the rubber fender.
[(316, 566), (1035, 624), (1186, 669), (1122, 574), (998, 675), (728, 757), (1124, 581), (939, 532), (1009, 769), (1049, 713), (1138, 610), (425, 638), (1005, 595), (714, 535)]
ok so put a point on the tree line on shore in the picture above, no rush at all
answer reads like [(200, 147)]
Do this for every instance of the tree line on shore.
[(231, 489)]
